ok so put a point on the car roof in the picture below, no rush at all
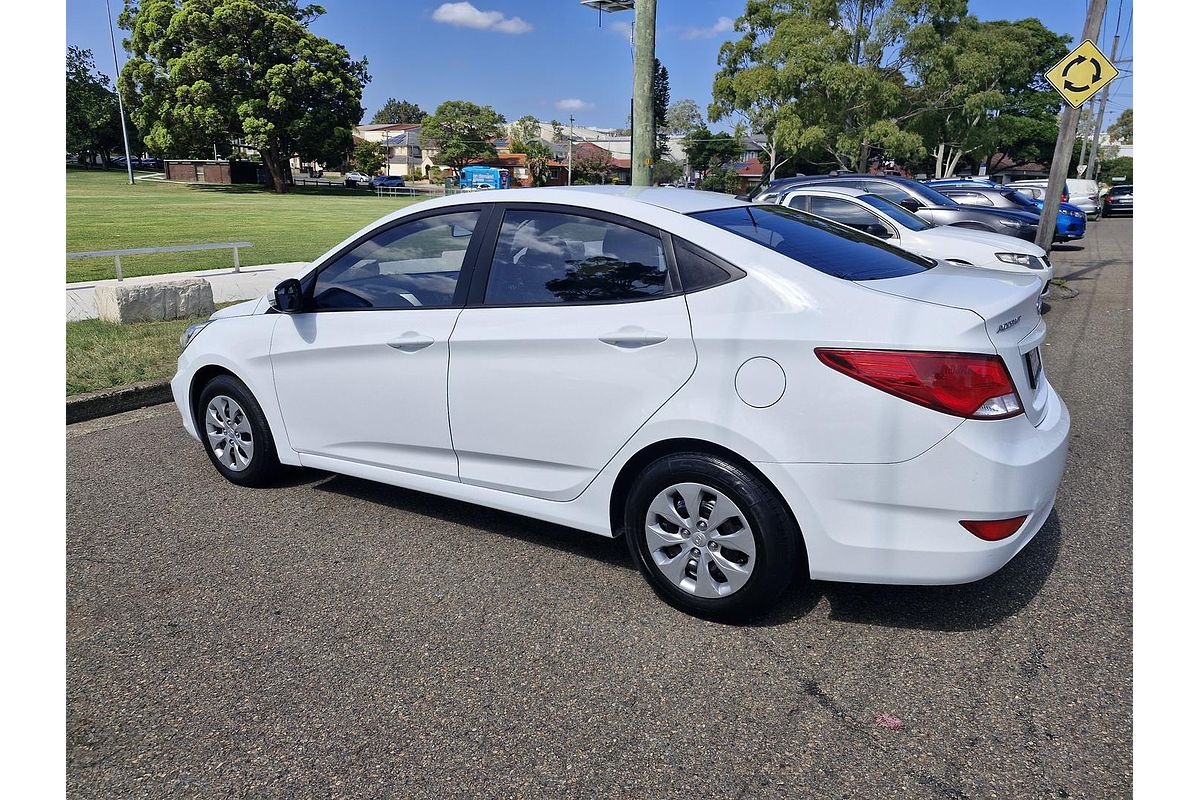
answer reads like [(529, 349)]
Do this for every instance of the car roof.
[(683, 201), (848, 191)]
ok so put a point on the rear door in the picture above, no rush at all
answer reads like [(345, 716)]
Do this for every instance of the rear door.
[(574, 335)]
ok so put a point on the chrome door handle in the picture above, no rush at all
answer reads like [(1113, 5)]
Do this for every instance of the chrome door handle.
[(632, 336), (410, 342)]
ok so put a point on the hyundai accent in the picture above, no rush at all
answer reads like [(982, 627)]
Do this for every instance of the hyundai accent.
[(746, 393)]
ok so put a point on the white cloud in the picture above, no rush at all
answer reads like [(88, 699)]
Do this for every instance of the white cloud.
[(621, 28), (465, 15), (574, 104), (722, 25)]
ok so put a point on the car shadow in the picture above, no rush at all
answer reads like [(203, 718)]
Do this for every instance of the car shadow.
[(490, 520), (964, 607), (1065, 248)]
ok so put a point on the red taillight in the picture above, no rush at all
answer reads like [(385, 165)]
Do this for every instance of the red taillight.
[(993, 530), (1065, 197), (962, 384)]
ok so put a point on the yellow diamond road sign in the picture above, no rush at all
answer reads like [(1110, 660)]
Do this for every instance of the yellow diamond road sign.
[(1083, 72)]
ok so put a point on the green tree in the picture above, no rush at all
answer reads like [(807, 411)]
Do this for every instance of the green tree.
[(526, 129), (706, 150), (1122, 129), (662, 99), (827, 76), (462, 132), (397, 112), (971, 75), (366, 157), (1112, 168), (681, 117), (93, 119), (557, 134), (208, 71)]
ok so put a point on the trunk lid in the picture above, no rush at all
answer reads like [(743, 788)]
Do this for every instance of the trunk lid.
[(1007, 305)]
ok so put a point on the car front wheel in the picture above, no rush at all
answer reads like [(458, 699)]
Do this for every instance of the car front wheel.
[(235, 432), (711, 538)]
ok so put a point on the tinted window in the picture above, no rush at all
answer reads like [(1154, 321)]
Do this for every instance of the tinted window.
[(887, 190), (847, 213), (1116, 190), (412, 265), (822, 245), (896, 213), (970, 198), (698, 270), (1019, 199), (552, 257)]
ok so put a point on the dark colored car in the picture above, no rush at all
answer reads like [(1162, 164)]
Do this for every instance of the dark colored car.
[(387, 180), (1117, 200), (1071, 223), (931, 206)]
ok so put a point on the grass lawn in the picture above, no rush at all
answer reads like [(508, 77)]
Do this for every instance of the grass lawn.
[(105, 213), (103, 354)]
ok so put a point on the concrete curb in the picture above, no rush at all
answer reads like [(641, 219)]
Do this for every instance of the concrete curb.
[(106, 402)]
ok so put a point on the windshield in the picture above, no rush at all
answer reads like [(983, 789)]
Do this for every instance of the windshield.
[(823, 245), (895, 212), (1020, 199)]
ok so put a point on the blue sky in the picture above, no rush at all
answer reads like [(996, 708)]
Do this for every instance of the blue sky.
[(552, 58)]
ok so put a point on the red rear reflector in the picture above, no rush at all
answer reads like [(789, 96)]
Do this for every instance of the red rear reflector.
[(968, 385), (993, 530)]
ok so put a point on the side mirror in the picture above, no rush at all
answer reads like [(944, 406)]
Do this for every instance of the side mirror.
[(910, 204), (875, 229), (289, 296)]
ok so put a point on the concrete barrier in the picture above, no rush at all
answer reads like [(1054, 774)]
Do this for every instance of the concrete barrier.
[(154, 302)]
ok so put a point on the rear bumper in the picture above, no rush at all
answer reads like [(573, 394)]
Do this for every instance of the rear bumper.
[(899, 523)]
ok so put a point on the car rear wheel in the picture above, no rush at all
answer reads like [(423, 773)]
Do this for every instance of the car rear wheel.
[(235, 432), (711, 538)]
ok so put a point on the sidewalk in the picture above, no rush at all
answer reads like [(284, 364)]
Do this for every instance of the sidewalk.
[(227, 285)]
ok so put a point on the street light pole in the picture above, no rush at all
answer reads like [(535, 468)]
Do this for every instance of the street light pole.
[(112, 37), (570, 149), (643, 91), (1066, 142)]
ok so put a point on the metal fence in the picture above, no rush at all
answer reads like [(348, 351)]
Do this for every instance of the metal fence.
[(176, 248)]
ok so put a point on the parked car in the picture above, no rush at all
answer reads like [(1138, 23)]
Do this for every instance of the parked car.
[(1118, 200), (356, 178), (1071, 223), (1082, 194), (387, 180), (923, 201), (745, 392), (881, 217)]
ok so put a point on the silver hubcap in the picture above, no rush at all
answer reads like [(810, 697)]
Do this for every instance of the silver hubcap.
[(229, 433), (700, 540)]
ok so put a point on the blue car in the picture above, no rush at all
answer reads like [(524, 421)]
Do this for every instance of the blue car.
[(1070, 225)]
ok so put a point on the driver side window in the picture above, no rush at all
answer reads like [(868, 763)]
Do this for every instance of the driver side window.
[(411, 265)]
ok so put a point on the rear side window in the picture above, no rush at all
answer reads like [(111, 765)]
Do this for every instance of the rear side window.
[(698, 270), (820, 244), (545, 257)]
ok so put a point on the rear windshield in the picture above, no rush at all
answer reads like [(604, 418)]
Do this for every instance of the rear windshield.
[(831, 248)]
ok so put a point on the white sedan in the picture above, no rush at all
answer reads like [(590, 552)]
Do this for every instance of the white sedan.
[(745, 392), (881, 217)]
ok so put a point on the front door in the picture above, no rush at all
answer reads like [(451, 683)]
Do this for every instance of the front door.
[(361, 374), (578, 337)]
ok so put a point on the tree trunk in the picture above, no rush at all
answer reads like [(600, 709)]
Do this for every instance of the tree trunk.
[(864, 153), (275, 170), (937, 161)]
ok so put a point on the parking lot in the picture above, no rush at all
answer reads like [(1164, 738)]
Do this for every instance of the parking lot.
[(337, 638)]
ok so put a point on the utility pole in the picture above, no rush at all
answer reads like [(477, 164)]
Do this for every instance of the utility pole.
[(112, 37), (570, 149), (643, 91), (1068, 123), (1091, 164), (1083, 147)]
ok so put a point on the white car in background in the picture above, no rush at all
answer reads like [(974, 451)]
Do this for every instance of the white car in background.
[(884, 219), (746, 393), (1083, 194)]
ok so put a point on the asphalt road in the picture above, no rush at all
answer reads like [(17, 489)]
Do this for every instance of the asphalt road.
[(336, 638)]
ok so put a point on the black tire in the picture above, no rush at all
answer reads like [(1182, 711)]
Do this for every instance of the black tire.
[(779, 550), (263, 465)]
